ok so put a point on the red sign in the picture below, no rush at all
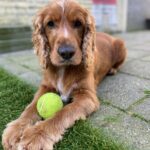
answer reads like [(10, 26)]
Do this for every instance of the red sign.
[(107, 2), (97, 1)]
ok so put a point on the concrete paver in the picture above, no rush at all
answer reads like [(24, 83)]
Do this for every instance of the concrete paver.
[(105, 115), (122, 90), (143, 109), (31, 78), (131, 130), (144, 47), (14, 68), (138, 68), (133, 54), (24, 64), (147, 58), (31, 64)]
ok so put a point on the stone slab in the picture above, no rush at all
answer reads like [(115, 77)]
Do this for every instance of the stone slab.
[(105, 115), (143, 109), (23, 69), (22, 58), (26, 59), (17, 54), (32, 64), (122, 90), (147, 58), (131, 130), (133, 36), (134, 54), (15, 69), (31, 78), (137, 68), (143, 46)]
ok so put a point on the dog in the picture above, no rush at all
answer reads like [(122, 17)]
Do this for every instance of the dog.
[(74, 59)]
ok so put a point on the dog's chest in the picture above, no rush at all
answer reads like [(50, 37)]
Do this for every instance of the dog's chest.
[(64, 93)]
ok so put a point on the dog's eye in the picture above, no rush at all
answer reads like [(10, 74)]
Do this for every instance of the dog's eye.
[(51, 24), (77, 24)]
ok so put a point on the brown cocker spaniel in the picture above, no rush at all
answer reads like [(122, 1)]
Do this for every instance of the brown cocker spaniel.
[(74, 59)]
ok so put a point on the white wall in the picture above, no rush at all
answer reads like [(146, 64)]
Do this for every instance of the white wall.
[(21, 12)]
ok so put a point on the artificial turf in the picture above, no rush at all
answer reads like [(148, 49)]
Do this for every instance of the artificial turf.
[(16, 94)]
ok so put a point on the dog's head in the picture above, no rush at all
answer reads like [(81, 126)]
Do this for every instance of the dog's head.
[(64, 34)]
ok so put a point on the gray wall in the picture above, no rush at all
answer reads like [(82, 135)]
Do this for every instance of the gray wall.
[(21, 12), (15, 13), (138, 11), (18, 12)]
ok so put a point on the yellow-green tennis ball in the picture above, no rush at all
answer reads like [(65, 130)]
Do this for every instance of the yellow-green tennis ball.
[(48, 104)]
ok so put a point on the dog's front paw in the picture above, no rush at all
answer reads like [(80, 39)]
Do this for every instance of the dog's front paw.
[(35, 138), (13, 132)]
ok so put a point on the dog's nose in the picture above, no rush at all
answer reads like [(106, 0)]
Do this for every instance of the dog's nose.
[(66, 51)]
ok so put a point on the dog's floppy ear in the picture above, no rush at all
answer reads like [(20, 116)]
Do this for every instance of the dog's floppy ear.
[(88, 45), (40, 41)]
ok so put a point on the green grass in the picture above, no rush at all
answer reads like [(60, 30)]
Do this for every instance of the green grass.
[(147, 92), (16, 94)]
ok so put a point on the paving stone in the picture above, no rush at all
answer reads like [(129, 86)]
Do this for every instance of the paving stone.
[(105, 115), (3, 61), (146, 58), (31, 78), (122, 90), (131, 130), (12, 67), (22, 58), (32, 64), (135, 36), (137, 68), (134, 54), (143, 109), (144, 46), (17, 54)]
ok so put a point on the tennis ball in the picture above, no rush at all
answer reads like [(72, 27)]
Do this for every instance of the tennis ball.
[(48, 104)]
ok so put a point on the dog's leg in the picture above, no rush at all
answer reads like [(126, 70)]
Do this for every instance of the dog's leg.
[(50, 131), (119, 55), (112, 71), (13, 132)]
